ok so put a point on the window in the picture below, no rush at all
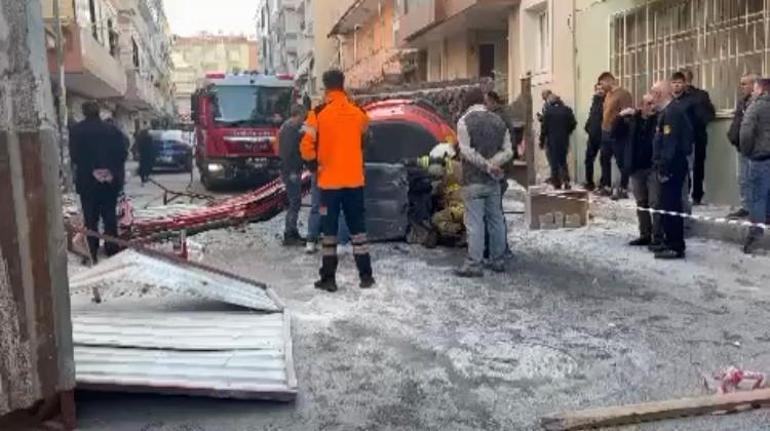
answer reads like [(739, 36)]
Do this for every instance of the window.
[(92, 14), (135, 53), (406, 6), (718, 40), (543, 41)]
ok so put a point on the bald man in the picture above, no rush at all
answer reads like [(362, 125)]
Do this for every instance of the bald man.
[(734, 135), (672, 145)]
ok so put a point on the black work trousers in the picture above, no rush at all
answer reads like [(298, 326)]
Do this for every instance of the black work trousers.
[(593, 147), (612, 148), (557, 159), (100, 204), (350, 202), (699, 167), (671, 200)]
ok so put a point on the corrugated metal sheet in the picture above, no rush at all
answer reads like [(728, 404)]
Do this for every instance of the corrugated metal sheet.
[(224, 355), (131, 269)]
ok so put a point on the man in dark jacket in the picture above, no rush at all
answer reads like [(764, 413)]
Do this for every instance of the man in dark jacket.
[(755, 145), (99, 155), (672, 147), (146, 149), (734, 135), (558, 124), (636, 128), (701, 112), (289, 138), (485, 146), (593, 128)]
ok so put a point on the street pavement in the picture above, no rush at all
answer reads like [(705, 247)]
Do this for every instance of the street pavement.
[(579, 320)]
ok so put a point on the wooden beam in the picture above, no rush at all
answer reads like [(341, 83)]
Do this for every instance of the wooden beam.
[(655, 411)]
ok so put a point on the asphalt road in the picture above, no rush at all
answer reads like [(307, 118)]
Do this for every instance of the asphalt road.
[(578, 321)]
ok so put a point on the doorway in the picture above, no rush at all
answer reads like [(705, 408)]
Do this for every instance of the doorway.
[(487, 60)]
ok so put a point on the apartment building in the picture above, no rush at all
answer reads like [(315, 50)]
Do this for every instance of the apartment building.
[(457, 39), (279, 30), (366, 36), (116, 52), (194, 56)]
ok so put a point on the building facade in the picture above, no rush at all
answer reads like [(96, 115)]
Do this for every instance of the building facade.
[(279, 29), (116, 52), (642, 41), (366, 35), (195, 56)]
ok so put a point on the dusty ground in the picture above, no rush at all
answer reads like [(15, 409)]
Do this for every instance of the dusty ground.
[(579, 320)]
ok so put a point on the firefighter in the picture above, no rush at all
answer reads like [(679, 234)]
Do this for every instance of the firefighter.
[(335, 133), (672, 146), (99, 155)]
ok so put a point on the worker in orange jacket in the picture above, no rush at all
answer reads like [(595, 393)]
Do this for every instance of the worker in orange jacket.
[(333, 146)]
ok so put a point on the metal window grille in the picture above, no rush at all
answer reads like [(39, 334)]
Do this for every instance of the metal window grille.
[(719, 40)]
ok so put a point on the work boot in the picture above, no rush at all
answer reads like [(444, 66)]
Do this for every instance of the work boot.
[(640, 242), (293, 239), (469, 271), (738, 215), (669, 254), (328, 273), (364, 265), (656, 247), (619, 194), (603, 191), (589, 186), (498, 267)]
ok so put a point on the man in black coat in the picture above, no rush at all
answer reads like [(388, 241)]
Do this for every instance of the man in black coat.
[(99, 155), (700, 112), (593, 128), (636, 129), (145, 146), (558, 124), (672, 147)]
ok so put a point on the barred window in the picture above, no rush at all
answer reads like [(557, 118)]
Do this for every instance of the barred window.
[(719, 40)]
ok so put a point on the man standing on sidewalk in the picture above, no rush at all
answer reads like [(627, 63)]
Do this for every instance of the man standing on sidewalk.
[(637, 129), (703, 112), (734, 135), (485, 146), (593, 128), (671, 149), (755, 145), (617, 99), (335, 133), (289, 137), (558, 124), (99, 155)]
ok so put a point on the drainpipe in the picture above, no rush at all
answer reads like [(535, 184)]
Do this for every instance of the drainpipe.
[(575, 75)]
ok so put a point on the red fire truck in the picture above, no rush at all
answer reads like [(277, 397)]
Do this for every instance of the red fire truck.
[(237, 117)]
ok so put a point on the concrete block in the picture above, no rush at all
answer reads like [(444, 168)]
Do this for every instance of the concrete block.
[(556, 205), (572, 221)]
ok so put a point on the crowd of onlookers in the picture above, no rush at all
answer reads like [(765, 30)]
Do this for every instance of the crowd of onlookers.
[(659, 148)]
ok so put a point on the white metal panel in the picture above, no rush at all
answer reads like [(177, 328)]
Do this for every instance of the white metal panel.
[(180, 331), (132, 269), (186, 353)]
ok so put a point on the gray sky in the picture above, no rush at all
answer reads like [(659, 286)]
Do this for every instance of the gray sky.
[(188, 17)]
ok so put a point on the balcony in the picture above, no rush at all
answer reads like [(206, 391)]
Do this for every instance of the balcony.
[(90, 70), (432, 20), (359, 12), (140, 94)]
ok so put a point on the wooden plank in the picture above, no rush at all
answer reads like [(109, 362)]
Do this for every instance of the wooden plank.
[(655, 411)]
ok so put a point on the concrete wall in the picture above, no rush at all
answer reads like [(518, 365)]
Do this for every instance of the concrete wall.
[(36, 359)]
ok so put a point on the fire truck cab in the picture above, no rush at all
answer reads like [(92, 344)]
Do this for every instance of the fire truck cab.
[(237, 117)]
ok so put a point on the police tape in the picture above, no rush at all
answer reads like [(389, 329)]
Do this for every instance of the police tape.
[(697, 217)]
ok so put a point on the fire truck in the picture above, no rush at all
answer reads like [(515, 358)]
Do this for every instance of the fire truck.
[(237, 117)]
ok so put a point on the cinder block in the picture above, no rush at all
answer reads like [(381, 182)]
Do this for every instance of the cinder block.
[(572, 221), (557, 206), (558, 219)]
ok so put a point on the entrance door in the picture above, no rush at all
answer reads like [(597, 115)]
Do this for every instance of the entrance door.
[(486, 60)]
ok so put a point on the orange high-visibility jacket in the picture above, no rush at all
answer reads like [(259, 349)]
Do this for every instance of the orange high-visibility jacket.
[(334, 138)]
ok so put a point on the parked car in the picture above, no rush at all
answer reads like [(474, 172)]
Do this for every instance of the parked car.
[(173, 149)]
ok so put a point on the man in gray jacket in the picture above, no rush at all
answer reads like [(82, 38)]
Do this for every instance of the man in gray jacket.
[(755, 145), (485, 146), (734, 136)]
